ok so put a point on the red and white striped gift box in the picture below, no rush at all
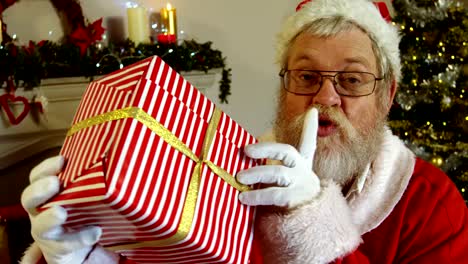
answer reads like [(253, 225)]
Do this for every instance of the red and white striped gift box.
[(150, 160)]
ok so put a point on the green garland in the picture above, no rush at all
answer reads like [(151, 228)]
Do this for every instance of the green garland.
[(30, 64)]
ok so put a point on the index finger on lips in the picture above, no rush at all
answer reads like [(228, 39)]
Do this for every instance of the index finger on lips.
[(39, 192), (50, 166), (274, 151), (308, 142)]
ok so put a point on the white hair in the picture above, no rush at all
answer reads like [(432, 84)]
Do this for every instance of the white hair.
[(359, 12)]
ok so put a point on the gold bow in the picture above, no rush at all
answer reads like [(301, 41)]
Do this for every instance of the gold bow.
[(191, 200)]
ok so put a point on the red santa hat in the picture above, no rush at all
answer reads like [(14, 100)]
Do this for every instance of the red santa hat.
[(361, 12)]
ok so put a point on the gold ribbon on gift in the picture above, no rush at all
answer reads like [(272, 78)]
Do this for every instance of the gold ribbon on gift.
[(192, 194)]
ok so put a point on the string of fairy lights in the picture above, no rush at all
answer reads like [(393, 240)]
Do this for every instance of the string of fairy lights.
[(431, 112), (28, 65)]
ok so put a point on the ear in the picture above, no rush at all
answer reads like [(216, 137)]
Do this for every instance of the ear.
[(391, 96)]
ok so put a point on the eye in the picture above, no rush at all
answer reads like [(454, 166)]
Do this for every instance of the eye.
[(308, 77), (350, 80)]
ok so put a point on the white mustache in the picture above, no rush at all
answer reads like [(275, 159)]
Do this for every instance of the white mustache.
[(332, 114)]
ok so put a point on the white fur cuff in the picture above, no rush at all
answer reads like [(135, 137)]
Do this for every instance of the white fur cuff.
[(100, 255), (319, 232), (32, 255)]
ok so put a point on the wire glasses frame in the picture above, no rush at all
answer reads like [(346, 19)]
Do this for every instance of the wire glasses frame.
[(346, 83)]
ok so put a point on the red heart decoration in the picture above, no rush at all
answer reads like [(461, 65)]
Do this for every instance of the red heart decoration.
[(4, 102)]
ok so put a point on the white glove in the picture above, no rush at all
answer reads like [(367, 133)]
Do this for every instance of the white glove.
[(58, 245), (295, 181)]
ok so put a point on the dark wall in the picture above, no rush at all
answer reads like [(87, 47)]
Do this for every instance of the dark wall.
[(15, 227)]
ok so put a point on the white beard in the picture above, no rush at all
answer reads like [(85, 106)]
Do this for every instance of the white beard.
[(339, 157)]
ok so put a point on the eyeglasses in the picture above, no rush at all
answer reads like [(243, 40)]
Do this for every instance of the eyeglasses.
[(307, 82)]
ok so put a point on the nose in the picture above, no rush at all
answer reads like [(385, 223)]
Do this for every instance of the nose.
[(327, 95)]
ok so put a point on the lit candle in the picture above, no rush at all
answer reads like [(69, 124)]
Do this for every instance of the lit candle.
[(169, 18), (166, 39), (138, 25)]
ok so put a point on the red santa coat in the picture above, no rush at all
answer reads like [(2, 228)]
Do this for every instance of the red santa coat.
[(428, 225), (408, 211)]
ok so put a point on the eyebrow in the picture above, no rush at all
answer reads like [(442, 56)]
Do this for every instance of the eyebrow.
[(304, 57), (357, 59)]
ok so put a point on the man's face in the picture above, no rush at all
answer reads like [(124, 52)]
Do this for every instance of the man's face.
[(350, 128)]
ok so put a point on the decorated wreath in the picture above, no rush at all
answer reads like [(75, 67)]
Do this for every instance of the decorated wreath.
[(80, 53)]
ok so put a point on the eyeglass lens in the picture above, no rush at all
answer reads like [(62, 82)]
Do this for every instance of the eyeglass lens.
[(346, 83)]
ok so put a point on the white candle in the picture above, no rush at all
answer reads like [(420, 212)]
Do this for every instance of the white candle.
[(138, 25)]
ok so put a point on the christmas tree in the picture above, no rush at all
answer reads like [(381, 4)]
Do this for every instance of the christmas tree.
[(430, 113)]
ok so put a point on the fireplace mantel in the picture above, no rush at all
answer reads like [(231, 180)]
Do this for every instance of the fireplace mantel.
[(39, 132)]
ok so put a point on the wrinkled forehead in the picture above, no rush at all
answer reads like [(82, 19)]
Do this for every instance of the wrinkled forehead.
[(338, 51)]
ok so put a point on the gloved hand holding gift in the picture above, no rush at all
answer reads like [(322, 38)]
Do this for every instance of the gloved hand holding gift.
[(150, 161)]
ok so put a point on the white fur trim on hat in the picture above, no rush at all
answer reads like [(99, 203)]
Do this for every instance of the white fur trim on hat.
[(361, 12)]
